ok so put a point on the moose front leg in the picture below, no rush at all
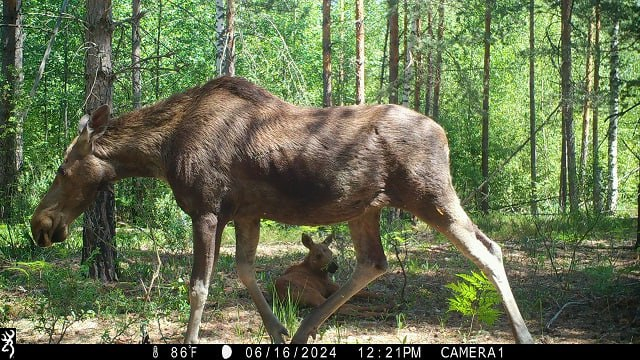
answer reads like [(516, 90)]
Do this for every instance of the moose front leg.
[(204, 231), (247, 237)]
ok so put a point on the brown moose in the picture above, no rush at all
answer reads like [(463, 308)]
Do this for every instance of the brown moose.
[(308, 284), (231, 151)]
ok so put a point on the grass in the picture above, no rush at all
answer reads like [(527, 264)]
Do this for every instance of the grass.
[(565, 258)]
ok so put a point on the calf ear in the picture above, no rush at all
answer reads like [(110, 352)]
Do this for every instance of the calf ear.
[(329, 239), (307, 241)]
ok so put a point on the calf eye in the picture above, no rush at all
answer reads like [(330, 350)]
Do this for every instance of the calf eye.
[(61, 171)]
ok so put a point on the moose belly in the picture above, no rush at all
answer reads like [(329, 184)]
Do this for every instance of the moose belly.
[(308, 203)]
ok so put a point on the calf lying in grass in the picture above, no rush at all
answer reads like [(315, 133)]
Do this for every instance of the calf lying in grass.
[(308, 283)]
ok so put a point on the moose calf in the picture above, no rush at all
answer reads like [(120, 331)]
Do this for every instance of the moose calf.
[(308, 283)]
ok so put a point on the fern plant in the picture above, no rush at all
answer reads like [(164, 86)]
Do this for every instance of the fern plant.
[(475, 297)]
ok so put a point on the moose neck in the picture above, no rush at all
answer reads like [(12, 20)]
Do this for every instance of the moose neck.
[(133, 144)]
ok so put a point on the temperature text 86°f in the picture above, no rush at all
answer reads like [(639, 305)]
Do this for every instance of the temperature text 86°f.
[(183, 352)]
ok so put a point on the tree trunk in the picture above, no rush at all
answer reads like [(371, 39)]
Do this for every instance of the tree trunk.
[(597, 198), (417, 96), (567, 104), (438, 62), (614, 109), (360, 52), (586, 108), (532, 108), (484, 191), (428, 91), (11, 86), (99, 247), (158, 34), (341, 83), (220, 35), (326, 53), (394, 51), (229, 67), (136, 75)]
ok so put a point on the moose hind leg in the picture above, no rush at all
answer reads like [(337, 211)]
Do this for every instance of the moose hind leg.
[(205, 229), (371, 263), (247, 237), (450, 219)]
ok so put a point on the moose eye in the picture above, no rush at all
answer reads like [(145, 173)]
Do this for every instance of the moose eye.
[(61, 171)]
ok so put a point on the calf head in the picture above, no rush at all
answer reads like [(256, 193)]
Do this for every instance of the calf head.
[(76, 184), (320, 257)]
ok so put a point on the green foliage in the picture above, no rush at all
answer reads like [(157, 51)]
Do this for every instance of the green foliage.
[(475, 297)]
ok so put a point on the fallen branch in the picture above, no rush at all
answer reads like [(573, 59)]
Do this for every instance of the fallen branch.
[(548, 326)]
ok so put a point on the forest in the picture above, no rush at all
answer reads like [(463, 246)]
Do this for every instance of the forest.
[(540, 101)]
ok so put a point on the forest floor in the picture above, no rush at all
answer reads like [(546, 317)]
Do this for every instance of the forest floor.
[(587, 293)]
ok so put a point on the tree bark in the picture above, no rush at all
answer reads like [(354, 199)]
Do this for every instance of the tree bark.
[(360, 52), (597, 190), (229, 67), (532, 108), (428, 91), (99, 247), (136, 74), (11, 87), (614, 109), (220, 35), (417, 96), (326, 53), (567, 104), (438, 63), (394, 51), (484, 192), (586, 108)]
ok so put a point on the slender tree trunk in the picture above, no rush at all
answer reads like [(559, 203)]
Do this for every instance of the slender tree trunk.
[(586, 108), (360, 52), (326, 53), (383, 64), (484, 191), (136, 74), (341, 56), (407, 71), (417, 96), (428, 91), (220, 35), (394, 51), (532, 108), (614, 109), (229, 67), (597, 191), (99, 247), (158, 34), (438, 62), (567, 104), (10, 89)]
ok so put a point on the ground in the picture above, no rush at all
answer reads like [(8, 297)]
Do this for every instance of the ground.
[(588, 293)]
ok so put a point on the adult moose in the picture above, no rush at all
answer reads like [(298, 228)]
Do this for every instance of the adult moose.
[(231, 151)]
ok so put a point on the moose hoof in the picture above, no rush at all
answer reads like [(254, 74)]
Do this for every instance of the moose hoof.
[(277, 335)]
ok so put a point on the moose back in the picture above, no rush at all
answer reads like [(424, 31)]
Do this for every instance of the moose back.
[(231, 151)]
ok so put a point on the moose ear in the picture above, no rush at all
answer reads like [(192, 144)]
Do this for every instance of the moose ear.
[(329, 239), (307, 241), (96, 123)]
